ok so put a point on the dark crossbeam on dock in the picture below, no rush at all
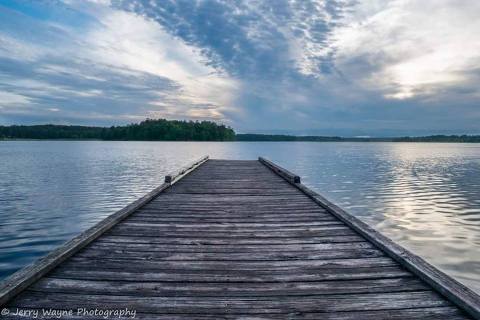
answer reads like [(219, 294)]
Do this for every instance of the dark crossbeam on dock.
[(238, 239)]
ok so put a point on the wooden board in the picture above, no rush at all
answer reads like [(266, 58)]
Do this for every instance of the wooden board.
[(236, 240)]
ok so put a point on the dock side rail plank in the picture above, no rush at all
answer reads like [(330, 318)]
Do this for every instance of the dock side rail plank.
[(23, 278), (453, 290), (177, 175)]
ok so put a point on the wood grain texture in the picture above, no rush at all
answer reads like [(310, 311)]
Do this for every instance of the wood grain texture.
[(177, 175), (234, 240), (435, 313)]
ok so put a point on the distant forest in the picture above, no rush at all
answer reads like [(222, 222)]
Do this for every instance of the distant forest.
[(155, 130), (282, 137), (433, 138), (175, 130)]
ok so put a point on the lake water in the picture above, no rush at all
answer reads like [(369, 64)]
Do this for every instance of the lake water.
[(426, 196)]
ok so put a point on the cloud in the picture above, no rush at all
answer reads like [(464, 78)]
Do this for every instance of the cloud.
[(119, 66), (412, 48), (327, 67), (250, 39), (13, 99)]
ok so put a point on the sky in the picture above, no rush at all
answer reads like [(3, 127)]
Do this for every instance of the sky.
[(338, 67)]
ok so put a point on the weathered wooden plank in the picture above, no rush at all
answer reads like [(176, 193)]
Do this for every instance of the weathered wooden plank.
[(226, 289), (221, 225), (246, 266), (153, 253), (230, 236), (233, 209), (235, 184), (247, 219), (222, 241), (265, 188), (245, 204), (239, 190), (231, 180), (226, 221), (233, 213), (237, 217), (244, 211), (259, 209), (287, 208), (224, 191), (435, 313), (228, 276), (297, 197), (236, 174), (233, 226), (232, 305), (324, 225), (153, 231), (286, 249)]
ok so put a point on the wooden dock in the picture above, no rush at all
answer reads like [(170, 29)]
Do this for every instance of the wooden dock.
[(224, 239)]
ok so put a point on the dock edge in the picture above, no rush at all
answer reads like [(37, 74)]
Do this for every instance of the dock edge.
[(457, 293)]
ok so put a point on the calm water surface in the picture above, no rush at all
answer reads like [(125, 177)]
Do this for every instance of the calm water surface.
[(425, 196)]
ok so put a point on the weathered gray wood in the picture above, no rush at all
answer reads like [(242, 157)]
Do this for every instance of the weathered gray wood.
[(152, 223), (223, 191), (104, 263), (213, 210), (231, 212), (233, 240), (434, 313), (28, 275), (239, 220), (447, 286), (173, 198), (152, 231), (200, 241), (175, 275), (175, 176), (225, 289), (283, 248), (228, 237), (152, 253), (245, 227), (247, 218), (247, 305), (284, 173)]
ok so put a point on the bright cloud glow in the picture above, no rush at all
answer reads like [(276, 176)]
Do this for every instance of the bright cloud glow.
[(415, 47), (130, 42)]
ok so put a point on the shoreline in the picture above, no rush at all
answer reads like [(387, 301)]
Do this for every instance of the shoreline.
[(248, 141)]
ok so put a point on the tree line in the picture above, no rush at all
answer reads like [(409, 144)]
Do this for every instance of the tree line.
[(433, 138), (282, 137), (176, 130), (155, 130)]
